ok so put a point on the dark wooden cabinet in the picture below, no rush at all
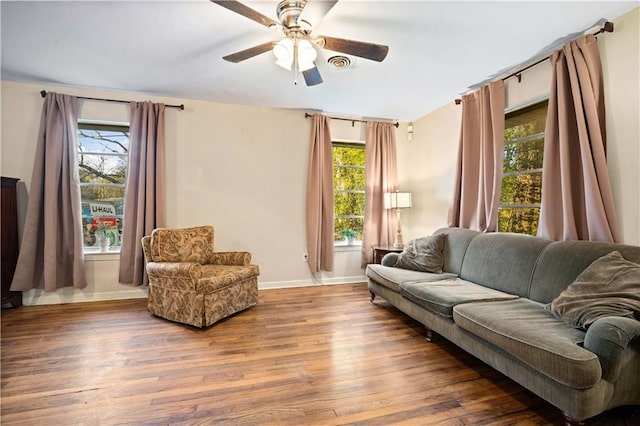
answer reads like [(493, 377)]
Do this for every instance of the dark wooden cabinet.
[(380, 251), (9, 237)]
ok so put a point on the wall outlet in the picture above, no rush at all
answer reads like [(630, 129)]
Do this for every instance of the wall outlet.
[(305, 257)]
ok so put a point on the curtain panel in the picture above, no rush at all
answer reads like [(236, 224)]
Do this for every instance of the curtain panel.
[(381, 175), (480, 152), (145, 194), (320, 197), (577, 201), (51, 253)]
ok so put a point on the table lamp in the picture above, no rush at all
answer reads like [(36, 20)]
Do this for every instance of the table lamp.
[(397, 200)]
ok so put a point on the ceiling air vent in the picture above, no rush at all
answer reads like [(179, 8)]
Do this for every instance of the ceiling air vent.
[(340, 62)]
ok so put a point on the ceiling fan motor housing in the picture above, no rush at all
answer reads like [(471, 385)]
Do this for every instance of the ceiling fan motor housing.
[(288, 12)]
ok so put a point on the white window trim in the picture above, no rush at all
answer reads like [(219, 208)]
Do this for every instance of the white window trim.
[(94, 253), (342, 245), (515, 108), (91, 255)]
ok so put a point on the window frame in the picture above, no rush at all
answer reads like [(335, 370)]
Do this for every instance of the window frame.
[(509, 113), (356, 144), (107, 126)]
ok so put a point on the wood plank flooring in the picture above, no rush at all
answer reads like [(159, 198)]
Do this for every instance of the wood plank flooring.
[(315, 355)]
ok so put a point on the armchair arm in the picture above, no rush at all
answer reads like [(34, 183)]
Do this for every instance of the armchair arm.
[(231, 258), (146, 248), (609, 338)]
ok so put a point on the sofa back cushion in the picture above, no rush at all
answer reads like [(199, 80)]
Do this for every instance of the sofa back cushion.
[(561, 262), (502, 261), (455, 246), (183, 245)]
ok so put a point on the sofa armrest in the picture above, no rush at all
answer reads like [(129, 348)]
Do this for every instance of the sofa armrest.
[(174, 270), (390, 259), (609, 338), (231, 258)]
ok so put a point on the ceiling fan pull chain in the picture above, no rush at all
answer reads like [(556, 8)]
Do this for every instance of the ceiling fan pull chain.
[(295, 61)]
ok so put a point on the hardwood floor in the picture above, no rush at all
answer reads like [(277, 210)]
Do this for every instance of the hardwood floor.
[(314, 355)]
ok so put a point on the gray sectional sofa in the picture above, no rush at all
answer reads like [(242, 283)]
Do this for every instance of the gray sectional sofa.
[(489, 300)]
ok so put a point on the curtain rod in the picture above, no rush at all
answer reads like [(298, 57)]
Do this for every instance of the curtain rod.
[(607, 28), (352, 120), (43, 93)]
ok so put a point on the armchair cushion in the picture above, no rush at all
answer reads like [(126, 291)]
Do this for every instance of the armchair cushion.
[(183, 245), (215, 277), (175, 269)]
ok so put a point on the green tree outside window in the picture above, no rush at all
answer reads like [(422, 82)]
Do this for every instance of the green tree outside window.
[(521, 195), (348, 186)]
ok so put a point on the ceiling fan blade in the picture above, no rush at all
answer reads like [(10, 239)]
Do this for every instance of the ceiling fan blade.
[(315, 10), (375, 52), (249, 53), (312, 76), (246, 11)]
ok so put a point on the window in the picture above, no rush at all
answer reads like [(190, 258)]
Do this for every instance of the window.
[(102, 160), (522, 169), (348, 188)]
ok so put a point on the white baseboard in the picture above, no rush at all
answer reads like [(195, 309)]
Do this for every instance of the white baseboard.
[(39, 297), (70, 295), (310, 283)]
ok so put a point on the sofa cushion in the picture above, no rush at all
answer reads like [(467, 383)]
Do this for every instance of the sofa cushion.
[(610, 286), (441, 296), (423, 254), (532, 334), (502, 261), (455, 246), (391, 277), (562, 261)]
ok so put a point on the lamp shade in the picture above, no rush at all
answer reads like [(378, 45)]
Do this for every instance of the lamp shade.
[(306, 55), (283, 50), (284, 53), (397, 200)]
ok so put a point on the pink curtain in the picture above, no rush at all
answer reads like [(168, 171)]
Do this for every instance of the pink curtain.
[(577, 202), (320, 197), (381, 175), (51, 251), (144, 198), (479, 173)]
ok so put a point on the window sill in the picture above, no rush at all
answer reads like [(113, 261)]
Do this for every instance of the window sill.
[(340, 246), (95, 255)]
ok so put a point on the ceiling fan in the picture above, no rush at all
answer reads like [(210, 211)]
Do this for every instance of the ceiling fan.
[(296, 51)]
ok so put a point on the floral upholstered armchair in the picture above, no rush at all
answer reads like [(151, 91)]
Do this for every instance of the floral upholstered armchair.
[(191, 283)]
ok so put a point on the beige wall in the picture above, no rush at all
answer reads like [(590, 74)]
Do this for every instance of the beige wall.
[(239, 168), (426, 168), (432, 154)]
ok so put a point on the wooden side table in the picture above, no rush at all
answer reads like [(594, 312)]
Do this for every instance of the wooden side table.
[(380, 251)]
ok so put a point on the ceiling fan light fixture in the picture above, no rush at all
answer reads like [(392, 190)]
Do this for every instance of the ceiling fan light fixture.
[(285, 64), (306, 55), (296, 52), (283, 51)]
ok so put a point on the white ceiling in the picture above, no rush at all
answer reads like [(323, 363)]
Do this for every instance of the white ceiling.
[(175, 48)]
